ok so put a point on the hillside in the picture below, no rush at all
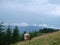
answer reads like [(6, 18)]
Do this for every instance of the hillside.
[(48, 39)]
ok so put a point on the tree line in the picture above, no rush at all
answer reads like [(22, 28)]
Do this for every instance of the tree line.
[(8, 37)]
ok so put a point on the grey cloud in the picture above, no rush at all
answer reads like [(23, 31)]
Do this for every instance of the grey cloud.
[(57, 2), (15, 13), (15, 1)]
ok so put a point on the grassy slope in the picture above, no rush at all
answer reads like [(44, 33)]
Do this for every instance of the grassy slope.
[(48, 39)]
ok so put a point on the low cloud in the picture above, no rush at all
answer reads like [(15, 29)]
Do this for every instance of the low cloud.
[(48, 26), (43, 25), (20, 24), (24, 24)]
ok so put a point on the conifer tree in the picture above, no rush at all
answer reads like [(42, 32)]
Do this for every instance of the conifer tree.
[(15, 35), (1, 33), (23, 35), (8, 35)]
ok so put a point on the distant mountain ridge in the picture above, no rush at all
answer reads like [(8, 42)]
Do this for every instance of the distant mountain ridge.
[(25, 28), (29, 28)]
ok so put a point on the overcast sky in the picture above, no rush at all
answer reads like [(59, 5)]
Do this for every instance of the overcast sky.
[(25, 12)]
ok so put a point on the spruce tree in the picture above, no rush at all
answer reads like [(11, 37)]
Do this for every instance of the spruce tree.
[(23, 35), (15, 35), (8, 35), (1, 33)]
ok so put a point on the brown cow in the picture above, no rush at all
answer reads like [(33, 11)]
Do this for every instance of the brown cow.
[(27, 36)]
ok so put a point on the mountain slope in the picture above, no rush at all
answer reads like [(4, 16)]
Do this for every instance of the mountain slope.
[(48, 39)]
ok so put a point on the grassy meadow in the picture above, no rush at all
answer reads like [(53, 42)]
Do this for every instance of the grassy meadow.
[(48, 39)]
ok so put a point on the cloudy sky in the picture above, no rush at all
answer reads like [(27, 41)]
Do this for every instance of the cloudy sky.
[(26, 12)]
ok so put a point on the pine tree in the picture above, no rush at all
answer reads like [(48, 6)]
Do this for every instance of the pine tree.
[(1, 33), (8, 35), (1, 27), (15, 35), (23, 35), (35, 33)]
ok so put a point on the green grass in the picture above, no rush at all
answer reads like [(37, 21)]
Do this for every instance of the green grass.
[(48, 39)]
